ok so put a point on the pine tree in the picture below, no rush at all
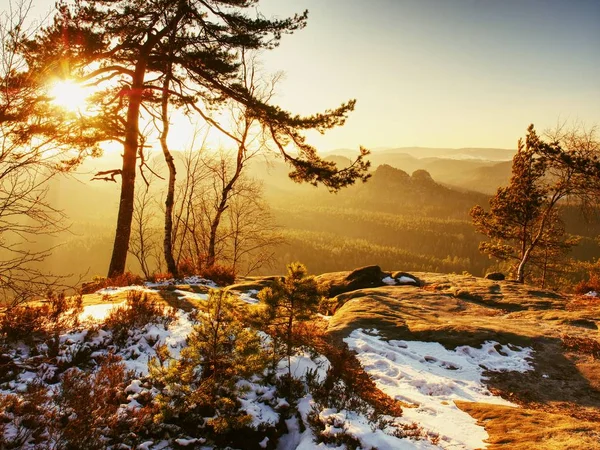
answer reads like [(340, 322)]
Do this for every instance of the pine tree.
[(133, 50), (291, 300), (203, 382), (523, 218)]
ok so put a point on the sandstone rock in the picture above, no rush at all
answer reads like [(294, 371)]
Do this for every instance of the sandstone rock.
[(496, 276)]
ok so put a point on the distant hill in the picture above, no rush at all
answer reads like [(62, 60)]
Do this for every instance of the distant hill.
[(484, 154), (477, 169), (487, 179)]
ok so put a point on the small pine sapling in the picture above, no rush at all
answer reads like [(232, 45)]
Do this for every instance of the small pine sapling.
[(203, 382), (289, 301)]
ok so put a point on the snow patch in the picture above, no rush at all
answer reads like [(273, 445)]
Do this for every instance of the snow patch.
[(301, 363), (98, 312), (389, 281), (429, 377), (187, 295), (249, 296)]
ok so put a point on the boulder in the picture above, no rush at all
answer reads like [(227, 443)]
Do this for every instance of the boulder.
[(495, 276), (340, 282), (406, 279)]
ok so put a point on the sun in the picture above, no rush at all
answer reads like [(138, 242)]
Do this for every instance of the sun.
[(68, 95)]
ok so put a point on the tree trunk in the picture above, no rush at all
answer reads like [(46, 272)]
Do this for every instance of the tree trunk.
[(521, 268), (212, 241), (214, 226), (170, 200), (130, 149)]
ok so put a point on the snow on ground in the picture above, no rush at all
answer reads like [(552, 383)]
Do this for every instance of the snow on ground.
[(141, 345), (249, 296), (117, 290), (393, 281), (428, 376), (98, 312), (194, 280), (187, 295), (301, 363), (350, 422)]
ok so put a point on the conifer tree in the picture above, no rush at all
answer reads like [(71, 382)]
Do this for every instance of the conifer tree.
[(289, 301), (523, 218), (128, 48), (203, 382)]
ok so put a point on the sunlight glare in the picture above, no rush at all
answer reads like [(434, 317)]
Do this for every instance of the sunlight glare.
[(68, 95)]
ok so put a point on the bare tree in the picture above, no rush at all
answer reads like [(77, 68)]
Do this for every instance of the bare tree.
[(144, 233), (26, 167), (188, 229), (246, 233), (252, 230), (251, 141)]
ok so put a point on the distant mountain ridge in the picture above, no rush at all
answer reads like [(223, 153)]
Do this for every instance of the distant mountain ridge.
[(466, 153), (474, 174)]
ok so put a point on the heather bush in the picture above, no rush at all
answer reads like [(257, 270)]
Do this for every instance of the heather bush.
[(88, 405), (23, 323), (222, 275), (63, 314), (186, 267), (138, 311), (591, 284), (45, 321), (331, 431), (27, 415)]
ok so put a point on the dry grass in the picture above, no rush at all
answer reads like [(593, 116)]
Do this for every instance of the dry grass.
[(527, 429), (560, 398)]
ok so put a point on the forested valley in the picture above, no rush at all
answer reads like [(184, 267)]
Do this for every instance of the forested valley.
[(396, 219)]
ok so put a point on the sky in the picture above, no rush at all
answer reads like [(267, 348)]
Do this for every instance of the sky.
[(439, 73)]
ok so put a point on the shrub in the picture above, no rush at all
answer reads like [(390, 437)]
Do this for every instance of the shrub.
[(321, 428), (27, 414), (157, 277), (8, 368), (202, 383), (98, 282), (592, 284), (334, 393), (290, 388), (88, 405), (138, 311), (186, 267), (63, 314), (48, 320), (23, 323), (222, 275)]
